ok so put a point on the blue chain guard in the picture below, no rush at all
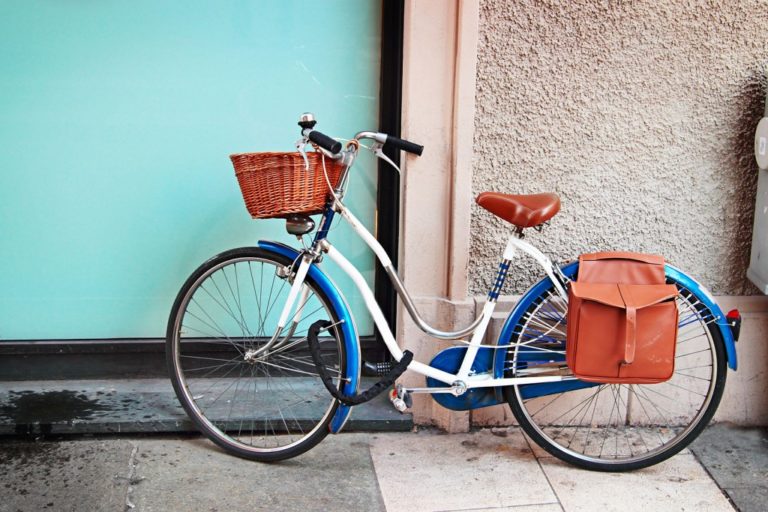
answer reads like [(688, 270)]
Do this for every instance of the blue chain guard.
[(449, 360)]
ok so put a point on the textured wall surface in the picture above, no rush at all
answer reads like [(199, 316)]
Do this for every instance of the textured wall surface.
[(641, 115)]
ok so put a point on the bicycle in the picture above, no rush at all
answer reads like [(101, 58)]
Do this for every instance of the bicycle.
[(238, 334)]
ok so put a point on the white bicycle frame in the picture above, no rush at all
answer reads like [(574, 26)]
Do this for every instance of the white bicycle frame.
[(462, 380)]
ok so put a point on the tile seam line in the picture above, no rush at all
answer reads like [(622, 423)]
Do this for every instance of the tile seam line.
[(543, 471), (507, 507), (376, 477), (132, 465), (713, 479)]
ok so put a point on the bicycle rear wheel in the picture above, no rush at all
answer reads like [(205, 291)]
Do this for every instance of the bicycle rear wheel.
[(614, 427), (261, 405)]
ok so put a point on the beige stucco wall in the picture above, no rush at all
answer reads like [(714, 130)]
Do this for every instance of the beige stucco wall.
[(642, 118), (640, 115)]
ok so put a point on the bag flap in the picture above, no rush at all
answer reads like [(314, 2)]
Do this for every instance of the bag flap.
[(636, 296), (639, 296), (607, 294), (652, 259), (621, 267)]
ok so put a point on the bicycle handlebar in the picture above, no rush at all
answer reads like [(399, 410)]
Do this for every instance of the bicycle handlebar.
[(405, 145), (307, 122), (324, 141)]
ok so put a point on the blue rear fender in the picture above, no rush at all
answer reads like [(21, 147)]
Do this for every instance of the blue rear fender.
[(569, 270), (341, 309), (708, 300)]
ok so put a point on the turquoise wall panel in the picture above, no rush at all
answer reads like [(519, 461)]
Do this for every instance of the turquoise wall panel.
[(116, 122)]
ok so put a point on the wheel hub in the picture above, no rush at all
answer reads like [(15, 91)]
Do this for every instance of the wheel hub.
[(250, 356)]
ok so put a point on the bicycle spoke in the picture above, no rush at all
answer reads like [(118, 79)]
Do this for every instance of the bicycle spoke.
[(610, 423), (236, 299), (262, 402)]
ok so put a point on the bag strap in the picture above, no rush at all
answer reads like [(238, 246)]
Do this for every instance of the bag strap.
[(630, 337), (630, 328)]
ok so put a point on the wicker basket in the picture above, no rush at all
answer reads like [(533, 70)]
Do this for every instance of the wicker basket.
[(277, 184)]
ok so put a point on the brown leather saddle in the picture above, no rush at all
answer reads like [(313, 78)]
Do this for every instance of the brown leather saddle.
[(522, 211)]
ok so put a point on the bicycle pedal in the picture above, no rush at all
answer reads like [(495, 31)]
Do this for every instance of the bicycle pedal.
[(399, 403), (377, 369)]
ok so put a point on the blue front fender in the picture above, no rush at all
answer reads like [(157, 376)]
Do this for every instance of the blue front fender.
[(340, 308), (569, 271)]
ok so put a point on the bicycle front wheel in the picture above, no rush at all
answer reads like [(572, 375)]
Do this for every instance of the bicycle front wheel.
[(614, 427), (256, 403)]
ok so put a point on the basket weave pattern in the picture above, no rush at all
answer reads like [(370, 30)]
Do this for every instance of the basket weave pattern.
[(277, 184)]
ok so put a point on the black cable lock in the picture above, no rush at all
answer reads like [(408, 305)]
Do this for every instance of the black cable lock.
[(368, 394)]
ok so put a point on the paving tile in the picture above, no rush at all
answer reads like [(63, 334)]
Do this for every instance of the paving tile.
[(679, 484), (540, 453), (194, 475), (549, 507), (749, 499), (737, 458), (65, 476), (425, 471)]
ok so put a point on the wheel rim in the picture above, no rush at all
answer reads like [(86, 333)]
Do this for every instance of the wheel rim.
[(618, 424), (276, 401)]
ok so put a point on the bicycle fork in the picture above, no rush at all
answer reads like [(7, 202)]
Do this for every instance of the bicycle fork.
[(298, 289)]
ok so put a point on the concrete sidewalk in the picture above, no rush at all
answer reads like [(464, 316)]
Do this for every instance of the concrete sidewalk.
[(415, 471)]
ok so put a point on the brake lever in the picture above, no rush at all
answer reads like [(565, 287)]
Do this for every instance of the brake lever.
[(378, 150), (301, 145)]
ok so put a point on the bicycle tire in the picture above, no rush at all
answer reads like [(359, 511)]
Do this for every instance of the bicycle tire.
[(278, 407), (652, 422)]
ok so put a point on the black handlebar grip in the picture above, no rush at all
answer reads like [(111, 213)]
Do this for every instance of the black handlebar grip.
[(325, 141), (405, 145)]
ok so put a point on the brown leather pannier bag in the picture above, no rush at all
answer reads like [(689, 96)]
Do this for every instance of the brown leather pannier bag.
[(622, 319)]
